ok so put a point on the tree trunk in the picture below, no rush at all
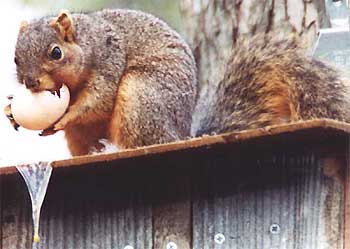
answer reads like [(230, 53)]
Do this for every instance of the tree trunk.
[(213, 27)]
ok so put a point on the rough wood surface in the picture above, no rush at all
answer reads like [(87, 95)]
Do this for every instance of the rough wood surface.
[(244, 198), (301, 132), (90, 209), (238, 184), (172, 208)]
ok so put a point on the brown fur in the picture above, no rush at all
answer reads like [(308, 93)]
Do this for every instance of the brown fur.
[(280, 105), (268, 80), (130, 129), (118, 130), (63, 24), (132, 79), (82, 139)]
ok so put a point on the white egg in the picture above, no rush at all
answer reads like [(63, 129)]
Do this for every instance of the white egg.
[(39, 111)]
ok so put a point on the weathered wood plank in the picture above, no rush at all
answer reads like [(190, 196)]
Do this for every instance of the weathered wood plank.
[(90, 209), (240, 184), (281, 201), (317, 129), (15, 212), (172, 207)]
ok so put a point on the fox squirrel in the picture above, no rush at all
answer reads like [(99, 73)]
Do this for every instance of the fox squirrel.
[(133, 81)]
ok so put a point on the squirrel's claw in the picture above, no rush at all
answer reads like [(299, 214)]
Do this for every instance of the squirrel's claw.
[(47, 132), (58, 92), (8, 113), (15, 126)]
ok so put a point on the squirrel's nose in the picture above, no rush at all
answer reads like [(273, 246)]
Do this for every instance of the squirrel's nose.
[(31, 83)]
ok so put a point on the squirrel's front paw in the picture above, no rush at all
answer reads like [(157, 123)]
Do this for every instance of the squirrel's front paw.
[(47, 132), (60, 125), (8, 113), (63, 122)]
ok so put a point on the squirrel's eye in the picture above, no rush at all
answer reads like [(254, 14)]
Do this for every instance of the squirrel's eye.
[(16, 61), (56, 53)]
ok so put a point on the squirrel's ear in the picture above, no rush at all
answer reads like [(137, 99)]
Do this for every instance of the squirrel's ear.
[(23, 26), (63, 24)]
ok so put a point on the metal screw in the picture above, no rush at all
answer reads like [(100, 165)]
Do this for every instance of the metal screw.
[(219, 238), (128, 247), (275, 229), (171, 245)]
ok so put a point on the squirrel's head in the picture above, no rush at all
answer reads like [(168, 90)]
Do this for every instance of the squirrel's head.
[(47, 55)]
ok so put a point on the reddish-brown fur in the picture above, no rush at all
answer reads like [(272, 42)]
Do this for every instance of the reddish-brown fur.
[(132, 79), (269, 80)]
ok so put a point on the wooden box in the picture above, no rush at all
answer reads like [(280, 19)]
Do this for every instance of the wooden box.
[(273, 188)]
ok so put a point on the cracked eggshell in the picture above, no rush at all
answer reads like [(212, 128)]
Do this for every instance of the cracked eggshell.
[(39, 111)]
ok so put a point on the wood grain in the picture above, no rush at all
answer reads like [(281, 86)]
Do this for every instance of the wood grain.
[(300, 132), (238, 184), (172, 207), (246, 196), (89, 209)]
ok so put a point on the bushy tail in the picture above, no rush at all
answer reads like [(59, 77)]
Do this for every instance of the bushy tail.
[(269, 80)]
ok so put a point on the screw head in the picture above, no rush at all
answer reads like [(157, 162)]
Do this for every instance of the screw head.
[(128, 247), (219, 238), (171, 245), (275, 229)]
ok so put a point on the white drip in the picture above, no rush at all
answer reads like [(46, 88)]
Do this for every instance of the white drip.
[(36, 176)]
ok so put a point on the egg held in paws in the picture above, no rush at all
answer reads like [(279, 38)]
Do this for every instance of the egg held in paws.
[(39, 111)]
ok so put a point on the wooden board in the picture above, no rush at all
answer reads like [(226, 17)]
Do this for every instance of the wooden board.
[(189, 191), (90, 209), (313, 130), (286, 193), (172, 224)]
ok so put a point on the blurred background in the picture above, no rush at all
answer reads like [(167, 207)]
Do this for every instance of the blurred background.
[(166, 9), (26, 146)]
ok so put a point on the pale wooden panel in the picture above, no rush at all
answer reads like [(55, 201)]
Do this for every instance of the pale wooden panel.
[(242, 198), (15, 212), (90, 209), (172, 207)]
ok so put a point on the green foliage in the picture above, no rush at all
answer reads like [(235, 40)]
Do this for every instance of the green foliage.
[(168, 10)]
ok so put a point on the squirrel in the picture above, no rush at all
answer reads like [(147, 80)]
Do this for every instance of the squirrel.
[(133, 80)]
